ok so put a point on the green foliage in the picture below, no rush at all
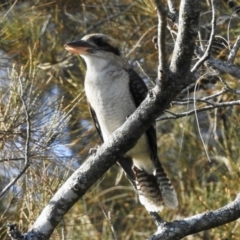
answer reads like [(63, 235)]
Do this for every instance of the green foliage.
[(32, 35)]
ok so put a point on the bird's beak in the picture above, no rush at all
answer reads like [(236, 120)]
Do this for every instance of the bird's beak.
[(79, 47)]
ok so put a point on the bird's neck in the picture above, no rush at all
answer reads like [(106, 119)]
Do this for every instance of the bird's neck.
[(104, 62), (96, 64)]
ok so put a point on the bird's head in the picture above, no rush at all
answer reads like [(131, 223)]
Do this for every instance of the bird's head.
[(94, 44)]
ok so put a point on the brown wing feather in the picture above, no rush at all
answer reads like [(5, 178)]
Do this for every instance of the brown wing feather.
[(139, 92), (95, 121), (146, 184)]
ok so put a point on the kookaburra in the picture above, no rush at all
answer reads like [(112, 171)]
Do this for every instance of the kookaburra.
[(114, 91)]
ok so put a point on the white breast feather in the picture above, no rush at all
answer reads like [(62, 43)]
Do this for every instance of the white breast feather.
[(107, 91)]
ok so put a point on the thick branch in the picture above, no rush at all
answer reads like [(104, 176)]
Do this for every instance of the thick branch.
[(224, 67), (185, 42), (198, 223)]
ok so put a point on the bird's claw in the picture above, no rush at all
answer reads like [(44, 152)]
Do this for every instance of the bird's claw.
[(92, 151)]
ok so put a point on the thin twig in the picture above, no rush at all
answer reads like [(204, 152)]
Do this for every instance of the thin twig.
[(111, 225), (229, 89), (63, 229), (224, 90), (197, 122), (26, 148), (191, 112), (190, 101), (172, 13), (234, 51), (145, 74), (75, 19), (204, 99), (201, 41), (11, 159), (45, 24), (108, 19), (171, 7), (10, 9), (206, 54), (162, 28), (186, 90), (108, 217), (137, 44)]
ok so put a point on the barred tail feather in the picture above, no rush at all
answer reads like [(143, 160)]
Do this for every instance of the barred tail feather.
[(154, 190), (168, 193), (148, 190)]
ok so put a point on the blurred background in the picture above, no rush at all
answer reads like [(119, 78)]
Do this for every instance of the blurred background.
[(44, 118)]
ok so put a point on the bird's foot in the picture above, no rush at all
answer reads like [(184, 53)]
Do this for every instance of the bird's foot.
[(127, 117), (152, 95), (156, 218), (92, 151)]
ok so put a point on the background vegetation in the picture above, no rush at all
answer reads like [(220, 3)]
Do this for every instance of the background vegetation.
[(44, 119)]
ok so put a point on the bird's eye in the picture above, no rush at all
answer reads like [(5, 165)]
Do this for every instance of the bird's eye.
[(100, 43)]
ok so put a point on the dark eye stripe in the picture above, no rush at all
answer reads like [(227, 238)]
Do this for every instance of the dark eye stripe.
[(103, 45)]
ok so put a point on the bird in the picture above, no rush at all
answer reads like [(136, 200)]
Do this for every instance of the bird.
[(114, 91)]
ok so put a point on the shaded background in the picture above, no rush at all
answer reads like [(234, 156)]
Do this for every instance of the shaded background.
[(35, 66)]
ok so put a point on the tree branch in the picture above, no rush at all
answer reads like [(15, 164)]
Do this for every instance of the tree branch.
[(199, 222), (206, 54), (162, 27), (234, 51), (171, 7), (224, 67), (191, 100), (185, 42), (191, 112)]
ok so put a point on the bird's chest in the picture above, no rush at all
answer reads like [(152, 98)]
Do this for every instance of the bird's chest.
[(110, 98)]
